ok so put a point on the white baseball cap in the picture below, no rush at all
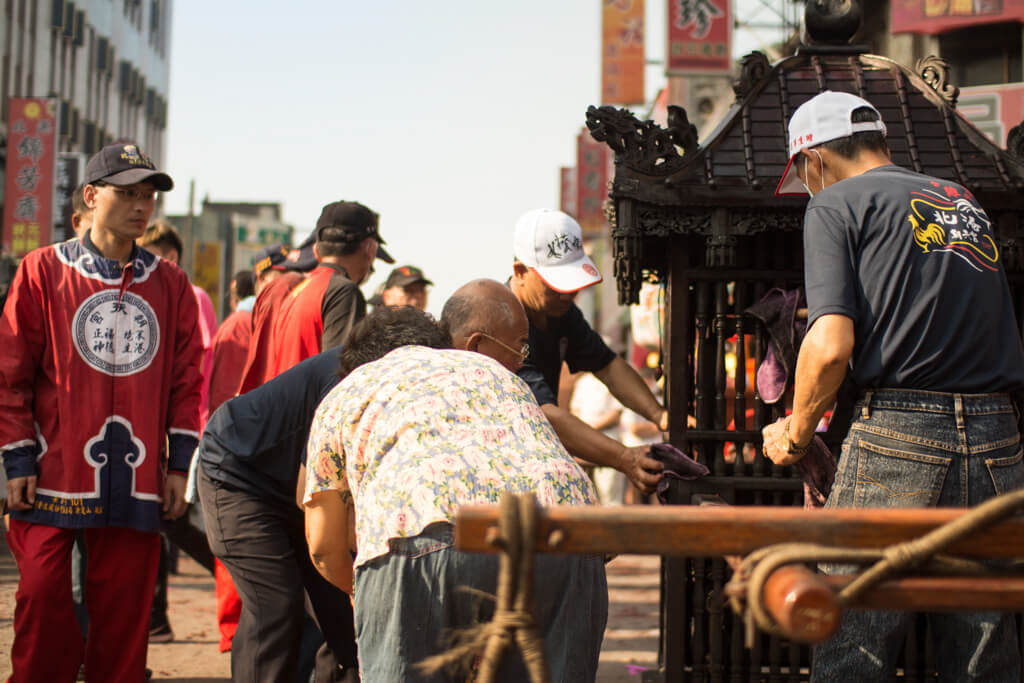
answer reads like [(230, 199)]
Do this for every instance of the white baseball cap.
[(824, 117), (551, 243)]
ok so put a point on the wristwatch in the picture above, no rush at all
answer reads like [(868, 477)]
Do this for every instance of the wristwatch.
[(791, 446)]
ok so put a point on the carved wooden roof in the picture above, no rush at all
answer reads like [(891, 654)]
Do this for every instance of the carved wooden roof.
[(744, 157)]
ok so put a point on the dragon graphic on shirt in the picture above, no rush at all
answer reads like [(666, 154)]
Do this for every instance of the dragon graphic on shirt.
[(952, 222)]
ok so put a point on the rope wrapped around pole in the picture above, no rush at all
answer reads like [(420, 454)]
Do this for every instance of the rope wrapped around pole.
[(513, 617), (746, 587)]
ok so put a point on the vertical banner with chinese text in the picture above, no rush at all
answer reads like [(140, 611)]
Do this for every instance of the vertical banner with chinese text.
[(591, 183), (31, 158), (622, 52), (207, 270), (699, 37), (567, 202)]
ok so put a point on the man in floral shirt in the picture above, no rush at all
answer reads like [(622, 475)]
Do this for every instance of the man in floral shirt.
[(394, 450)]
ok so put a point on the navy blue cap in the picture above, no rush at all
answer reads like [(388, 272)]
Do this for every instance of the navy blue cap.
[(302, 258), (273, 256)]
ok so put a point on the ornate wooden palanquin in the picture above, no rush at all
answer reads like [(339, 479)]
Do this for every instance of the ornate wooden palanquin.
[(702, 219)]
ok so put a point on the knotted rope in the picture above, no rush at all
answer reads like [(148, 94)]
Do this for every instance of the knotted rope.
[(513, 617), (746, 587)]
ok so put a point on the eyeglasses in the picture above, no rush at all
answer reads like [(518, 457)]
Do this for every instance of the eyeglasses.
[(134, 195), (523, 353)]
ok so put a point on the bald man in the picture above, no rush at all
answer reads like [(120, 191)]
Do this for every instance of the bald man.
[(251, 464), (486, 317)]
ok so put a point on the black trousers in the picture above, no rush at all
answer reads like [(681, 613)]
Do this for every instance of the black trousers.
[(193, 541), (263, 546)]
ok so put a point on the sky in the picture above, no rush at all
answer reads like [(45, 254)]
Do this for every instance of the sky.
[(449, 119)]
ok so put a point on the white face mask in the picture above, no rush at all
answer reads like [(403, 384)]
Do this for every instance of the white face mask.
[(822, 162), (806, 186)]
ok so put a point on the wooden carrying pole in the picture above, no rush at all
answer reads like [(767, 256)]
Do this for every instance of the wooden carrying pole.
[(701, 531), (805, 605)]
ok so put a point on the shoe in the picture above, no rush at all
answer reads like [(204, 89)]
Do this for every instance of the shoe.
[(161, 634)]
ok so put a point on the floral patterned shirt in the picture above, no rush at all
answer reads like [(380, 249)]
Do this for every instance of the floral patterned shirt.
[(420, 432)]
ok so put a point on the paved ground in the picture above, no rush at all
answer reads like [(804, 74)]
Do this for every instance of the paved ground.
[(630, 645)]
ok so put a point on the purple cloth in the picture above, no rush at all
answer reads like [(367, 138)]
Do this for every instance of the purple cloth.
[(678, 465), (818, 470), (777, 311)]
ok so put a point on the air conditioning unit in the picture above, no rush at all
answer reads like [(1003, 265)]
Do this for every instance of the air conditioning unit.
[(124, 83), (140, 90), (150, 103), (64, 117), (110, 60), (57, 15), (69, 20), (102, 54), (73, 137), (90, 138), (78, 39)]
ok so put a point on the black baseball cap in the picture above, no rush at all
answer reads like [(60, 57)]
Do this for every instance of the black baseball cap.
[(406, 275), (273, 256), (125, 164), (356, 222)]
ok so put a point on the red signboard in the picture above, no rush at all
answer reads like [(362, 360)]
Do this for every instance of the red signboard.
[(568, 193), (31, 159), (622, 52), (993, 109), (592, 175), (938, 16), (699, 36)]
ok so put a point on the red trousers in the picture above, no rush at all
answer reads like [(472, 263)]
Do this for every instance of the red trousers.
[(119, 581), (229, 605)]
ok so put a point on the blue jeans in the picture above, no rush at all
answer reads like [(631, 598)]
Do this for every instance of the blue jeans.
[(408, 601), (925, 449)]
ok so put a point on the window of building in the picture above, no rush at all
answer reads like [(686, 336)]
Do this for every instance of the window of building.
[(983, 55)]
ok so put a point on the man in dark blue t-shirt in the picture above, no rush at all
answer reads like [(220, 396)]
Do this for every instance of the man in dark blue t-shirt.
[(550, 268), (250, 456), (907, 294)]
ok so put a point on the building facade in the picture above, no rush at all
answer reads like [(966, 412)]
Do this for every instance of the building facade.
[(107, 62), (223, 238)]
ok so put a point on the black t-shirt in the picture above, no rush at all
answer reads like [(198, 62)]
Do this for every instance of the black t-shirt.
[(342, 307), (255, 442), (912, 260), (568, 338)]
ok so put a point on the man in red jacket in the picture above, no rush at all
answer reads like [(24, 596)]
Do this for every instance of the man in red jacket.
[(320, 311), (99, 364)]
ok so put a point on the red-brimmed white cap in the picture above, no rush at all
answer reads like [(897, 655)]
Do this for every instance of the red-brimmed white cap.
[(551, 243), (823, 118)]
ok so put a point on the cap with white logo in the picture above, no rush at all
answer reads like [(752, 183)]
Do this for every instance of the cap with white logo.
[(551, 243), (823, 118)]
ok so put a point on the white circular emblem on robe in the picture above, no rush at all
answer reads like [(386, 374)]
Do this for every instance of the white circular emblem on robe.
[(117, 334)]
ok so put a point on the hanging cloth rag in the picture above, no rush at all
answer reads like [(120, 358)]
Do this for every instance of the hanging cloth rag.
[(777, 311), (818, 470), (678, 465)]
